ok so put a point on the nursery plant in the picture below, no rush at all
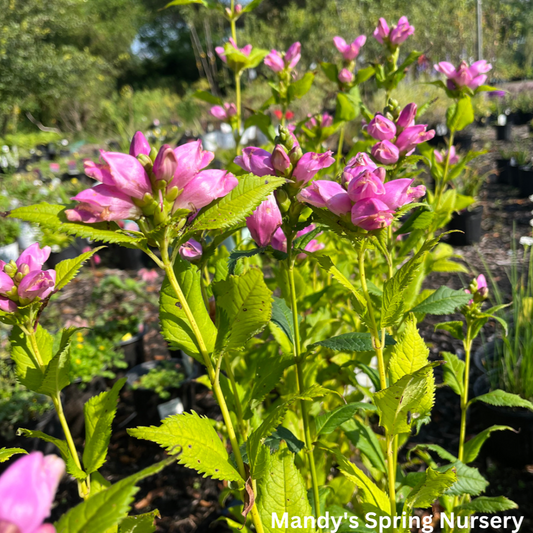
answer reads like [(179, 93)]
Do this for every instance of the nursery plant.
[(307, 329)]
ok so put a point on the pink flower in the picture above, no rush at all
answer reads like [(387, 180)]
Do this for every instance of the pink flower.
[(127, 174), (385, 152), (257, 161), (102, 203), (464, 76), (481, 282), (278, 62), (345, 76), (191, 250), (292, 56), (224, 113), (371, 214), (191, 159), (440, 157), (7, 305), (222, 53), (323, 193), (325, 120), (349, 51), (367, 185), (139, 145), (165, 164), (361, 159), (381, 128), (36, 284), (411, 136), (34, 257), (407, 116), (27, 491), (399, 193), (310, 163), (274, 61), (148, 276), (264, 221), (401, 32), (205, 187), (280, 159), (382, 31)]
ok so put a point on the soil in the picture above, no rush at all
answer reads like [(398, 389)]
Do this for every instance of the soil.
[(189, 503)]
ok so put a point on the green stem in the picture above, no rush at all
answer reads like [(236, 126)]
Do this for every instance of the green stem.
[(240, 418), (300, 380), (464, 396), (440, 187), (239, 108), (339, 149), (211, 372), (56, 399)]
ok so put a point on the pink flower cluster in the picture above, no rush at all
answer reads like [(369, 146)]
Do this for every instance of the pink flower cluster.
[(325, 120), (479, 289), (397, 138), (349, 51), (125, 184), (464, 76), (346, 76), (278, 61), (224, 112), (245, 50), (27, 491), (369, 201), (24, 281), (395, 35), (440, 157)]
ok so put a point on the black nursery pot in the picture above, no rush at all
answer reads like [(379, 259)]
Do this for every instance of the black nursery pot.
[(503, 133), (506, 447), (133, 349), (503, 171), (464, 141), (525, 175), (514, 174), (469, 222)]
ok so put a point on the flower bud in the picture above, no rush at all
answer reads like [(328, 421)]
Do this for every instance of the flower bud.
[(191, 250), (385, 152), (264, 221), (238, 8), (295, 154), (280, 160), (11, 269), (381, 128), (407, 116), (139, 145), (285, 137), (345, 76), (165, 164)]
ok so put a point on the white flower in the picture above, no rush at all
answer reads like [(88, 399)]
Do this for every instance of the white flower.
[(526, 241)]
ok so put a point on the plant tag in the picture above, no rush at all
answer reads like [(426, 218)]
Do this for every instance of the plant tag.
[(173, 407)]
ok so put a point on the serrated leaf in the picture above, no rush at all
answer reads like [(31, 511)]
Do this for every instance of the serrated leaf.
[(453, 372), (443, 301), (174, 323), (420, 218), (372, 498), (53, 217), (99, 413), (329, 422), (469, 480), (197, 443), (473, 446), (282, 317), (268, 373), (501, 398), (56, 374), (68, 269), (453, 327), (282, 434), (402, 403), (364, 439), (351, 342), (143, 523), (486, 504), (431, 487), (244, 308), (281, 491), (439, 450), (235, 255), (238, 204), (7, 453), (106, 508)]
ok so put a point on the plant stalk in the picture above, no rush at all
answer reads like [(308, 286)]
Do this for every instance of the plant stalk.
[(339, 150)]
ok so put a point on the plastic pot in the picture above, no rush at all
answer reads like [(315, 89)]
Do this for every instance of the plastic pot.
[(464, 141), (506, 447), (503, 171), (469, 222), (133, 349), (514, 173), (525, 175), (503, 133)]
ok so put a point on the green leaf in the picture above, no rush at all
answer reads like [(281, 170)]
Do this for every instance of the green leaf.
[(7, 453), (268, 373), (251, 6), (282, 434), (329, 422), (235, 255), (281, 491), (106, 508), (430, 488), (473, 446), (443, 301), (206, 96), (469, 481), (351, 342), (460, 114), (453, 372), (364, 74), (264, 123), (99, 413), (420, 218), (197, 443), (244, 308), (184, 3), (143, 523), (331, 71), (300, 87), (282, 317), (439, 450), (53, 217), (68, 269), (402, 403), (501, 398), (175, 325), (238, 204), (35, 434), (372, 498), (486, 504), (365, 440), (453, 327), (345, 110)]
